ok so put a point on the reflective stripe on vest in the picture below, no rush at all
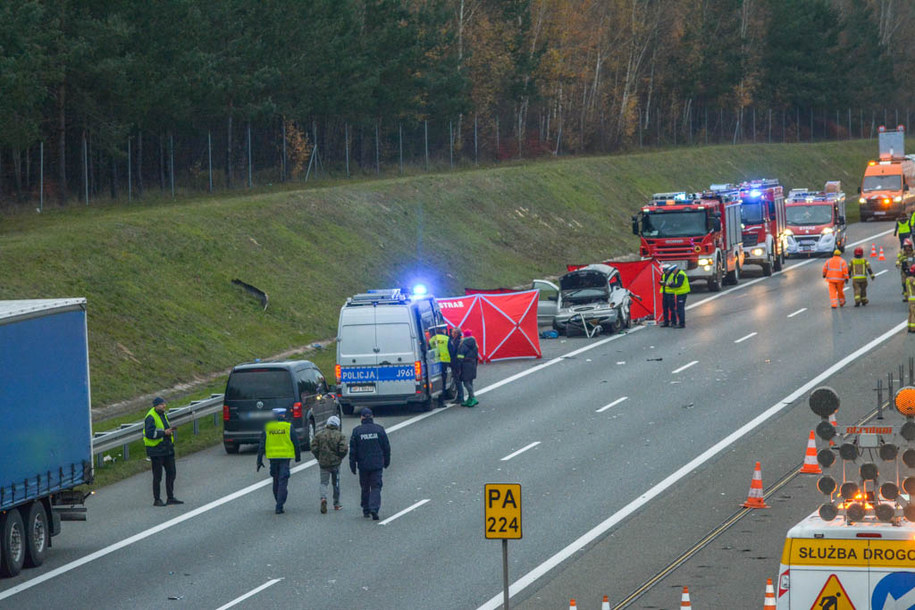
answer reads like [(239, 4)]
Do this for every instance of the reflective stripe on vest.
[(910, 289), (279, 440), (440, 344), (683, 288), (859, 269), (160, 425), (836, 269)]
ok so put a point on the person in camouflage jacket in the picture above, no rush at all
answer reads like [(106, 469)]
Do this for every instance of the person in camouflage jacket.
[(329, 447)]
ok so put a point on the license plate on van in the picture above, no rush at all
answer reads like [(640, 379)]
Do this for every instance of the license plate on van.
[(258, 414), (368, 387)]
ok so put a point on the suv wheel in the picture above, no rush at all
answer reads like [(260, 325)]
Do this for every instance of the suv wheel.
[(231, 448)]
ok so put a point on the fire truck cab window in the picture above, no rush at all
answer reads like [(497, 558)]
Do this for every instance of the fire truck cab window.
[(882, 183), (809, 215), (674, 224), (751, 213)]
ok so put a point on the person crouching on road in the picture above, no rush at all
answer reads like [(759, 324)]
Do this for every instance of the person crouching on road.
[(668, 300), (439, 343), (468, 354), (905, 259), (678, 286), (835, 271), (329, 448), (279, 443), (370, 450), (903, 227), (158, 437), (454, 344), (860, 269)]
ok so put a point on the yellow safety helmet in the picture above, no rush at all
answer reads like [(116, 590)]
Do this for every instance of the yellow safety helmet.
[(837, 253)]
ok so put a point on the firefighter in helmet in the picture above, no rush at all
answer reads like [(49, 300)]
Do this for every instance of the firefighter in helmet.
[(860, 269), (910, 296), (904, 260), (835, 272)]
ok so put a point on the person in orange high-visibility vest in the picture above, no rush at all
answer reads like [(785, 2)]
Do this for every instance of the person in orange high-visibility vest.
[(835, 271)]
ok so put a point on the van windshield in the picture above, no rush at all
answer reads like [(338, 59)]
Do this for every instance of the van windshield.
[(394, 338), (892, 182), (259, 384), (357, 339), (809, 214)]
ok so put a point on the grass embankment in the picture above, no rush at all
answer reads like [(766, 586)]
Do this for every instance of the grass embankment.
[(163, 310)]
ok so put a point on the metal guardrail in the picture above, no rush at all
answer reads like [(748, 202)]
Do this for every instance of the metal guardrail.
[(129, 433)]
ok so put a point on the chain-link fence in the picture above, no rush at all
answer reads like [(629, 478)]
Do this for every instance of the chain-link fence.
[(238, 155)]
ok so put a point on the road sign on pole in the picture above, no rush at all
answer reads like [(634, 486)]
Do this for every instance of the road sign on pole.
[(502, 512), (502, 521)]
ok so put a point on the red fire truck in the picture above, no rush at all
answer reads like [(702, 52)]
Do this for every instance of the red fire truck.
[(699, 232), (762, 212)]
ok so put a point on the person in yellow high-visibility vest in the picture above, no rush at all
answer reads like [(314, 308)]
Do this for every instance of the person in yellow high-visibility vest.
[(678, 286), (280, 443), (835, 272), (903, 227), (158, 437), (439, 343), (860, 269)]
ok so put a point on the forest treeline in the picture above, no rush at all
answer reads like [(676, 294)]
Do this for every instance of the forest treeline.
[(93, 83)]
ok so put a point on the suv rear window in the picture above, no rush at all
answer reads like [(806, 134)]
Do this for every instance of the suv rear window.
[(259, 384)]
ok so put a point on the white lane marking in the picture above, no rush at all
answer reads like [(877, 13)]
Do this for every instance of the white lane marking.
[(612, 404), (404, 511), (650, 494), (684, 367), (520, 451), (744, 338), (801, 310), (250, 593), (881, 272), (789, 268), (254, 487)]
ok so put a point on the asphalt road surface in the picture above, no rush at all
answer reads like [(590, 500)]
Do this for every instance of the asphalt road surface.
[(629, 450)]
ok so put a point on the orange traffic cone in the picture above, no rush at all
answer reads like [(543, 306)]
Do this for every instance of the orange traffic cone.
[(605, 605), (881, 257), (755, 497), (572, 605), (770, 595), (873, 250), (810, 458), (684, 599), (832, 420)]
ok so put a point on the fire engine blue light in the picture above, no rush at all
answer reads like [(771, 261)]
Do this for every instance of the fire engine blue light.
[(755, 193), (419, 290)]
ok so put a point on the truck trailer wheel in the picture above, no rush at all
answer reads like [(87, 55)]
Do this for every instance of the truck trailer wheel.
[(37, 534), (12, 543)]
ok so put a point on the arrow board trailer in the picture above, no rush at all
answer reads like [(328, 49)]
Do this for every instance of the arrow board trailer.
[(864, 566), (47, 439)]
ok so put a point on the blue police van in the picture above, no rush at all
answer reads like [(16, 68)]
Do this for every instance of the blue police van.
[(383, 353)]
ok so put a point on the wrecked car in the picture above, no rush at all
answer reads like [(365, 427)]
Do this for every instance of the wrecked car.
[(589, 300)]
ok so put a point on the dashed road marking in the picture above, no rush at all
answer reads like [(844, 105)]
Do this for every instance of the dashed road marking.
[(612, 404), (520, 451), (801, 310), (744, 338), (684, 367), (250, 593), (404, 511)]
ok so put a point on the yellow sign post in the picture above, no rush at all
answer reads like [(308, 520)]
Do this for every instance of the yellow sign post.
[(502, 521)]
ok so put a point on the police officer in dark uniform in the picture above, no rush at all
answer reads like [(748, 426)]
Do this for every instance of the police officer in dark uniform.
[(160, 449), (279, 443), (370, 450)]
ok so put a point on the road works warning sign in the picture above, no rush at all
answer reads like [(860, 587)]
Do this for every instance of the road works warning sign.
[(502, 510), (833, 596)]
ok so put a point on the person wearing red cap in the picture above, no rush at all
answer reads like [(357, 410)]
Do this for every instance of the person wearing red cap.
[(860, 269)]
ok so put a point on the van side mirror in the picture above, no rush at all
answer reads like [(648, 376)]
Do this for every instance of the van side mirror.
[(859, 190), (905, 187), (841, 220), (716, 224), (332, 388), (635, 225)]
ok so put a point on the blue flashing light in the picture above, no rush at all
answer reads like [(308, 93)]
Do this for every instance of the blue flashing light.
[(755, 193), (420, 290)]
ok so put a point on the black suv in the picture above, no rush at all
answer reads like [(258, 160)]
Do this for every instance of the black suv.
[(255, 389)]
